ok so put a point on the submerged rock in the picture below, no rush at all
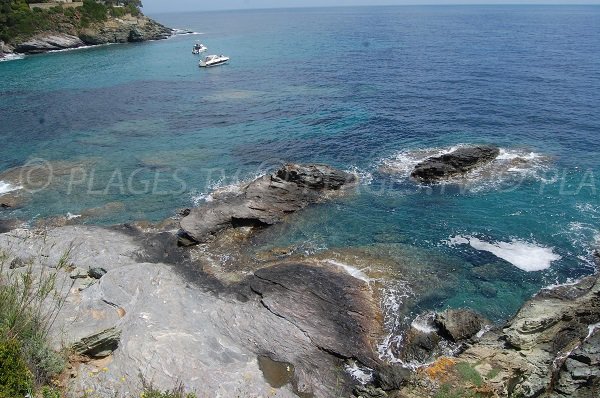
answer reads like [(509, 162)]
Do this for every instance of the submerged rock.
[(263, 202), (455, 163)]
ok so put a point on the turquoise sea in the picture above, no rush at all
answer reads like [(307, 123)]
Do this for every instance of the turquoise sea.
[(139, 131)]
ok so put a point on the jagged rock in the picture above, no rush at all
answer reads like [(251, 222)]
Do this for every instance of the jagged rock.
[(420, 346), (96, 272), (263, 202), (98, 345), (369, 392), (48, 42), (460, 324), (454, 163), (125, 29), (391, 377), (579, 375)]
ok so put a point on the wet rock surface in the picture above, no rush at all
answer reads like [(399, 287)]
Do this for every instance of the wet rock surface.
[(263, 202), (456, 163)]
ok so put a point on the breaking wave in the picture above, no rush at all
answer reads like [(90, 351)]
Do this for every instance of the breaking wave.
[(6, 187), (524, 255)]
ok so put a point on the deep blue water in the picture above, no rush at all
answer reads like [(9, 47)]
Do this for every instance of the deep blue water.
[(358, 88)]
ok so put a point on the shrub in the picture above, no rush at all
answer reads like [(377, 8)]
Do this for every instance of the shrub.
[(15, 378), (29, 304)]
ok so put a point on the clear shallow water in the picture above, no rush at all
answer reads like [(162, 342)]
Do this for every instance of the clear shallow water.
[(358, 88)]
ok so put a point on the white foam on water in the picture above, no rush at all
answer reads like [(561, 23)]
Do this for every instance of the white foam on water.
[(185, 32), (6, 187), (11, 57), (393, 296), (511, 166), (363, 176), (359, 373), (424, 323), (350, 270), (218, 188), (524, 255), (71, 216)]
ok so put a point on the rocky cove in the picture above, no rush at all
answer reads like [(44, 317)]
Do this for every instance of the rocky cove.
[(151, 300), (123, 29)]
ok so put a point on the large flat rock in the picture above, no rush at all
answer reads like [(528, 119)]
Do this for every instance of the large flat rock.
[(175, 323)]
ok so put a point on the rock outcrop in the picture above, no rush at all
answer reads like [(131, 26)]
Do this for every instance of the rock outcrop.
[(127, 29), (154, 312), (263, 202), (550, 348), (48, 42), (460, 324), (455, 163)]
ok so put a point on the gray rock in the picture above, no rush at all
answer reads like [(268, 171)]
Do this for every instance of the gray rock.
[(48, 42), (78, 273), (369, 392), (332, 308), (125, 29), (177, 322), (263, 202), (420, 346), (455, 163), (391, 377), (18, 262), (460, 324), (96, 272), (98, 345)]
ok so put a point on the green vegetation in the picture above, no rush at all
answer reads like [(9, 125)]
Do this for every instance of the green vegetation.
[(150, 392), (469, 374), (29, 304), (18, 21)]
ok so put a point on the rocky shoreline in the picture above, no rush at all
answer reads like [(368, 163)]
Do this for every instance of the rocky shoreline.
[(126, 29), (150, 302)]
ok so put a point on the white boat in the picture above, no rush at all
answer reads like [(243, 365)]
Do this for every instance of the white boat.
[(199, 48), (213, 60)]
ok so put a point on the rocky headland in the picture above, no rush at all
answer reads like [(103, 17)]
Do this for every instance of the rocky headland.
[(58, 31)]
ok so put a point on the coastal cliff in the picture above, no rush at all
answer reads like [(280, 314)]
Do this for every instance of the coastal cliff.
[(34, 31)]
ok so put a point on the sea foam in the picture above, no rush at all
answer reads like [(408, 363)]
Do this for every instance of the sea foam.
[(524, 255), (511, 167), (5, 188)]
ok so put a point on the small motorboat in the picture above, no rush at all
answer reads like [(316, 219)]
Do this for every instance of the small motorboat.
[(199, 48), (213, 60)]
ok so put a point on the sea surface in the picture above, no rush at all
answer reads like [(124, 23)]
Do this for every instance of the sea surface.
[(139, 131)]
